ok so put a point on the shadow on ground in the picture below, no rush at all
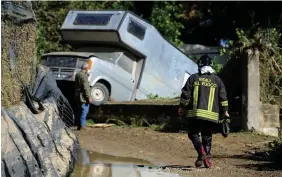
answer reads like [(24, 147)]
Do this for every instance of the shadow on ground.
[(179, 167), (261, 161)]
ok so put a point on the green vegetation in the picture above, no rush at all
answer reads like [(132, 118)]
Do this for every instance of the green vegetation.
[(266, 41), (133, 121), (158, 98), (166, 18), (155, 97), (216, 65), (90, 122), (163, 124)]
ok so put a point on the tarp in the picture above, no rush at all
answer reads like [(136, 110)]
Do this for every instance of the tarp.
[(39, 144)]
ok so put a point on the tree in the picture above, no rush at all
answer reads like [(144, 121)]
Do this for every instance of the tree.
[(166, 18), (208, 22)]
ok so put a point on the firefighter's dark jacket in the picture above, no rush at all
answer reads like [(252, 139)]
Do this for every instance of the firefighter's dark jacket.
[(204, 97), (82, 89)]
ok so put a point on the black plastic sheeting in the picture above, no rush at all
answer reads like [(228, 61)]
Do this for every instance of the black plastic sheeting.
[(39, 144)]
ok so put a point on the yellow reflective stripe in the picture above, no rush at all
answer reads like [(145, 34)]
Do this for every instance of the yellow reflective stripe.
[(209, 101), (202, 113), (211, 98), (224, 103), (195, 97), (204, 116)]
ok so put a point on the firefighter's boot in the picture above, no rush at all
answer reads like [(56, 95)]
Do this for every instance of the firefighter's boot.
[(198, 147), (207, 141)]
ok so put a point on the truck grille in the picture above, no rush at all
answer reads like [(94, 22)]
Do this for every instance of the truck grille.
[(67, 70), (54, 69)]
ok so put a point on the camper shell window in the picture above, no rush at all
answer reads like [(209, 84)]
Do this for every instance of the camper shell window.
[(108, 57), (136, 29), (92, 19)]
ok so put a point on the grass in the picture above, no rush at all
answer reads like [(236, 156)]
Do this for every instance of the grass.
[(133, 121), (151, 100), (163, 124), (90, 122)]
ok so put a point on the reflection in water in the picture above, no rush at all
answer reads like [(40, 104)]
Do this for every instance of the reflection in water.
[(92, 164)]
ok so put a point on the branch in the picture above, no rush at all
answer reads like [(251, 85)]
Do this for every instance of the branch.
[(276, 64)]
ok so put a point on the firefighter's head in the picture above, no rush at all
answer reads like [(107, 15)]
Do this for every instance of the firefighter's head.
[(204, 60)]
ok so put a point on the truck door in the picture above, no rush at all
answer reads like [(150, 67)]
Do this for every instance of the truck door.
[(126, 76)]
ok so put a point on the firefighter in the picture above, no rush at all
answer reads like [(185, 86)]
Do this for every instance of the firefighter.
[(82, 96), (204, 102)]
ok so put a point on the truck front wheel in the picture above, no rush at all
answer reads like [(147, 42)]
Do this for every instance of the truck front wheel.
[(100, 94)]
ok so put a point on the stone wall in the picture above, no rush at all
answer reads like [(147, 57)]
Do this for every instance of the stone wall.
[(269, 119)]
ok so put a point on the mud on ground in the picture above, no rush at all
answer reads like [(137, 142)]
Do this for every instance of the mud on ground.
[(230, 157)]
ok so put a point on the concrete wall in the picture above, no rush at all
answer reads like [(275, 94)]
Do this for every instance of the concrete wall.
[(269, 122), (152, 113)]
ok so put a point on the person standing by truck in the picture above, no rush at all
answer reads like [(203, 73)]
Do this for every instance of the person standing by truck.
[(82, 96), (204, 101)]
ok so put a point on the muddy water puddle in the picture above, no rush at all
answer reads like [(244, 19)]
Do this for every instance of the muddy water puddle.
[(93, 164)]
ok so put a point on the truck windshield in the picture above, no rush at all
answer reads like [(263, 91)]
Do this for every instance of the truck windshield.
[(75, 61), (108, 56)]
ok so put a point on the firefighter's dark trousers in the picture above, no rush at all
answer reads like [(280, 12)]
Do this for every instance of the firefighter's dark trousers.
[(205, 128)]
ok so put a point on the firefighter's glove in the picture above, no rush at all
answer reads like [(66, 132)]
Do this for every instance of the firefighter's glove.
[(224, 120), (224, 124)]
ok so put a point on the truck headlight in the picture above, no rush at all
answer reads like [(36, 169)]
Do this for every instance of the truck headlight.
[(90, 64)]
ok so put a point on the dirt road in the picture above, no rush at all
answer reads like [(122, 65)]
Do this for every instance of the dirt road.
[(229, 155)]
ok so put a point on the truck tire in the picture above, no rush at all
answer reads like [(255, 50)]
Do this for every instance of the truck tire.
[(100, 94)]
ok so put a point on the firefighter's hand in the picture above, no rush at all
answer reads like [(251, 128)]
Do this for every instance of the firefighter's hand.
[(225, 114), (180, 111), (225, 118)]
